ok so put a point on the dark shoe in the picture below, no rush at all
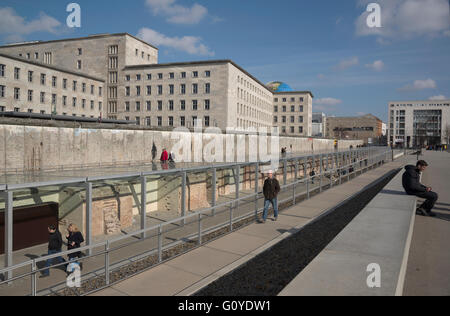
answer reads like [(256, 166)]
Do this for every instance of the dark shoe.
[(421, 211), (42, 276), (431, 214)]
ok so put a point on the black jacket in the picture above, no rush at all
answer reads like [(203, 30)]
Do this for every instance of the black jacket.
[(271, 188), (411, 181), (76, 238), (55, 241)]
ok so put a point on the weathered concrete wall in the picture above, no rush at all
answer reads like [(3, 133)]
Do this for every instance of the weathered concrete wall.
[(31, 148)]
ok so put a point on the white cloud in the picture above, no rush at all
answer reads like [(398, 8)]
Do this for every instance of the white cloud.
[(438, 98), (188, 44), (420, 85), (176, 13), (15, 26), (321, 76), (345, 64), (327, 101), (377, 65), (403, 19)]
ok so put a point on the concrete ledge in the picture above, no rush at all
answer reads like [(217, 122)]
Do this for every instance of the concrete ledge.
[(380, 234)]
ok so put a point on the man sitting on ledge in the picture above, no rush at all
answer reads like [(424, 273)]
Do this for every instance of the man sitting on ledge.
[(412, 186)]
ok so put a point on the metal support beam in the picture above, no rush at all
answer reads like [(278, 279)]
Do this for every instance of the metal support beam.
[(256, 189), (214, 189), (89, 216), (8, 233), (143, 205), (183, 196), (285, 172), (237, 180)]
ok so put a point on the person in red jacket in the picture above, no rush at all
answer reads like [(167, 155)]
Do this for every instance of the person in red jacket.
[(164, 156)]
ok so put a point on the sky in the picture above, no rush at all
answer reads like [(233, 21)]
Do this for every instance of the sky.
[(322, 46)]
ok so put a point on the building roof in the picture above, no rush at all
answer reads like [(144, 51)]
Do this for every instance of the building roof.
[(78, 39), (80, 74), (196, 63), (294, 92)]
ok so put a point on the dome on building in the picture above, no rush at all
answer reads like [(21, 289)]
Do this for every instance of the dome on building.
[(277, 86)]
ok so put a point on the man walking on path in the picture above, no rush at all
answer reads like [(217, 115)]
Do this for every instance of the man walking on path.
[(412, 186), (54, 246), (271, 190)]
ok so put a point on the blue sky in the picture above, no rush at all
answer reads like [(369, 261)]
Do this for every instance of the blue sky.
[(323, 46)]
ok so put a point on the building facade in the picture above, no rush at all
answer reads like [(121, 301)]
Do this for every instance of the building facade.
[(367, 128), (292, 113), (215, 93), (419, 123), (27, 86), (103, 56)]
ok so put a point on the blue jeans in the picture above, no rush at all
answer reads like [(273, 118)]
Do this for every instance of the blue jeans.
[(267, 203), (49, 261)]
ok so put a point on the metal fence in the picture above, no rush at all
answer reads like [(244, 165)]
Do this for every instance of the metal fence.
[(110, 256)]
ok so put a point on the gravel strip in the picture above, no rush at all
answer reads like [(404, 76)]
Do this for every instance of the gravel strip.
[(271, 271)]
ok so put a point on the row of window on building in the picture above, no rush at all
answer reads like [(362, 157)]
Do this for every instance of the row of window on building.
[(246, 124), (142, 54), (171, 75), (43, 95), (284, 108), (171, 89), (54, 80), (183, 121), (248, 111), (301, 99), (170, 105), (253, 88), (284, 119), (292, 130), (47, 57)]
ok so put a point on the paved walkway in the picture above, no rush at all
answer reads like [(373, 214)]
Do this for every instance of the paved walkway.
[(428, 270), (380, 234), (190, 272)]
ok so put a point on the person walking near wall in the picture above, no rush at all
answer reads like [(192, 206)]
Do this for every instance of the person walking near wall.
[(54, 247), (74, 241), (411, 184), (271, 190)]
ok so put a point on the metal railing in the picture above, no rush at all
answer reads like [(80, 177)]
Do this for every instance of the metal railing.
[(345, 165)]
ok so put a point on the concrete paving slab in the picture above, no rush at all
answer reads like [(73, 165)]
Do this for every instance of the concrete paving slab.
[(237, 243), (269, 231), (386, 240), (203, 261), (161, 281), (324, 203), (110, 292), (301, 211), (324, 276)]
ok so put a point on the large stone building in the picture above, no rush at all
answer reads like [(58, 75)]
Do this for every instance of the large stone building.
[(419, 123), (28, 86), (367, 128), (218, 93), (292, 110), (102, 56)]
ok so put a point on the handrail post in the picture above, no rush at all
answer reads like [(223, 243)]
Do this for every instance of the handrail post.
[(183, 196), (200, 229), (9, 233), (295, 182), (231, 217), (321, 172), (256, 189), (107, 271), (307, 188), (143, 205), (159, 243), (33, 278), (89, 216), (214, 189)]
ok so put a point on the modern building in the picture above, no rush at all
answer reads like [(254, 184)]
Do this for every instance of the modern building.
[(292, 110), (28, 86), (419, 123), (367, 128), (319, 121)]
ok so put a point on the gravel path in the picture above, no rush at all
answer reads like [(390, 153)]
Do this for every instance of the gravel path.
[(270, 272)]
